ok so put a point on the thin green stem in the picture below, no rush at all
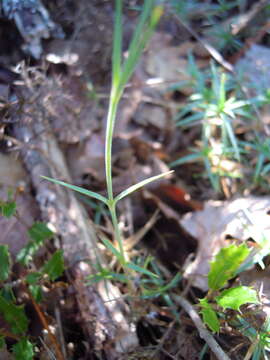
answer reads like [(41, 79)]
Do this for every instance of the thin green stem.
[(108, 147), (117, 231)]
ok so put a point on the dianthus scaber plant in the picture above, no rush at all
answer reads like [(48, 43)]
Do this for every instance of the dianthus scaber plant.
[(122, 70)]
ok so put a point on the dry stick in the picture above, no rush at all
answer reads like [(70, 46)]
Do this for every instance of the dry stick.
[(246, 19), (46, 326), (61, 333), (162, 340), (204, 333), (212, 51)]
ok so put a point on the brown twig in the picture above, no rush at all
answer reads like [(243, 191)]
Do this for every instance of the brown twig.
[(246, 18), (44, 322), (204, 333), (8, 334), (212, 51)]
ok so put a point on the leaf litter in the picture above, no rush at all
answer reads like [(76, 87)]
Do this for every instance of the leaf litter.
[(145, 135)]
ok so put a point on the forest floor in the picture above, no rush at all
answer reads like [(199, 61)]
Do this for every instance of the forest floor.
[(198, 103)]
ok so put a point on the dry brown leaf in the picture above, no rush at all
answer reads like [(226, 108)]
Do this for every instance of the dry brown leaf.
[(241, 218)]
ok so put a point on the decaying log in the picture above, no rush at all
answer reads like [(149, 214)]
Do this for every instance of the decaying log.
[(103, 320), (33, 22)]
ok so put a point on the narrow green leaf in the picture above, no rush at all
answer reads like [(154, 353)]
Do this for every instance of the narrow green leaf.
[(117, 44), (265, 169), (231, 136), (162, 289), (54, 267), (225, 265), (212, 177), (38, 232), (194, 118), (78, 189), (8, 208), (135, 187), (235, 297), (187, 159), (140, 269), (143, 32), (259, 165), (14, 316), (222, 92), (113, 250), (23, 350), (4, 262), (106, 275), (209, 315)]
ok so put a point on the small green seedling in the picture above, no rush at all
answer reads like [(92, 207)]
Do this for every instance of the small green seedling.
[(215, 109), (221, 298), (14, 314)]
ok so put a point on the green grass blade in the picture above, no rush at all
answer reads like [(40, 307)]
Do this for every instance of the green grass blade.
[(212, 177), (222, 92), (78, 189), (148, 5), (112, 249), (194, 118), (140, 269), (265, 169), (231, 136), (186, 159), (135, 187), (117, 44), (140, 38), (259, 166)]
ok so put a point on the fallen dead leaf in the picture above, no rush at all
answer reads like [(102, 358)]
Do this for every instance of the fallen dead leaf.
[(242, 218)]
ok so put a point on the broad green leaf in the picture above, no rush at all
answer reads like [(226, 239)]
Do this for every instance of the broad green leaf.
[(14, 316), (23, 350), (2, 342), (33, 278), (140, 269), (39, 232), (54, 267), (4, 262), (36, 292), (135, 187), (225, 265), (8, 208), (78, 189), (209, 315), (235, 297)]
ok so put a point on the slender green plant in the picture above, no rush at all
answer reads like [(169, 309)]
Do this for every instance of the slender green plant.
[(215, 108), (222, 304), (122, 70)]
